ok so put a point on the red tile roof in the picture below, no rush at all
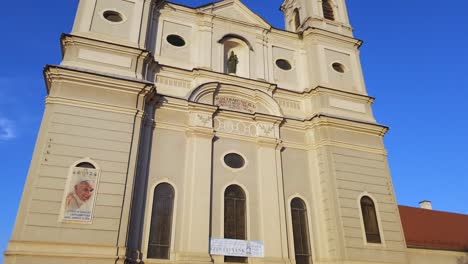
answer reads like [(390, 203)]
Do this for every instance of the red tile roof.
[(431, 229)]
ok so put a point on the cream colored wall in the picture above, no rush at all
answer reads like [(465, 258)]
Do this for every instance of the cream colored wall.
[(426, 256), (203, 33), (246, 178), (90, 124), (168, 147), (344, 163), (89, 21)]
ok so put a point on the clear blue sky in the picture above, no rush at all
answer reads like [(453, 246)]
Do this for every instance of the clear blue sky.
[(415, 60)]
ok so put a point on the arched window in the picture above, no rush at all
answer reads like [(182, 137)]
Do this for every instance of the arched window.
[(369, 216), (85, 165), (328, 10), (297, 19), (234, 218), (300, 231), (161, 222)]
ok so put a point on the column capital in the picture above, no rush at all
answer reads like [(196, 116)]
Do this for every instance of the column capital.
[(273, 143), (201, 116), (200, 132)]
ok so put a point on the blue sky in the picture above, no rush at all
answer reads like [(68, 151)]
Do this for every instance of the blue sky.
[(415, 61)]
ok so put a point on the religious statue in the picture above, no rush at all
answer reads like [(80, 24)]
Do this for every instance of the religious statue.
[(232, 63)]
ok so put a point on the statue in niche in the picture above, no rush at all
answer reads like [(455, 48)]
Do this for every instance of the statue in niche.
[(232, 63)]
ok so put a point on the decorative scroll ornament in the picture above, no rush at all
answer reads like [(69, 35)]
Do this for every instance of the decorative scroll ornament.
[(235, 127), (266, 130), (201, 120)]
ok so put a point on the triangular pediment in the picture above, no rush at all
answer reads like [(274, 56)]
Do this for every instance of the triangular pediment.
[(234, 10)]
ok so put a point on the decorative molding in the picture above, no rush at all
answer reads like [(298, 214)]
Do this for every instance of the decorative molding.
[(289, 104), (201, 120), (266, 130), (235, 127), (347, 105), (172, 82), (105, 58)]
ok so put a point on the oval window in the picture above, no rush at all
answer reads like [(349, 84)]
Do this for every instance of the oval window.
[(176, 40), (338, 67), (112, 16), (234, 160), (283, 64)]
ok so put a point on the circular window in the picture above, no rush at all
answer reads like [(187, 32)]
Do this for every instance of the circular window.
[(338, 67), (176, 40), (112, 16), (283, 64), (234, 160)]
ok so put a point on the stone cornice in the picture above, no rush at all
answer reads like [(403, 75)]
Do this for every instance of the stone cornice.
[(318, 32), (69, 39), (53, 73), (319, 89), (257, 84), (199, 74), (336, 121)]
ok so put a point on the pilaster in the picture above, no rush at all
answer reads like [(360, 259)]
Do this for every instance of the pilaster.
[(205, 42), (197, 187), (261, 48), (270, 186)]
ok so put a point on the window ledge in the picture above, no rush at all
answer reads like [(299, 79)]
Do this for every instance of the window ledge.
[(375, 245), (159, 261)]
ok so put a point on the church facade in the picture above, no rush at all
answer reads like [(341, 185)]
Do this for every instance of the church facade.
[(174, 134)]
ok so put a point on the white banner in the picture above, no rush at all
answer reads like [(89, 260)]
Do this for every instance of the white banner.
[(236, 248), (80, 195)]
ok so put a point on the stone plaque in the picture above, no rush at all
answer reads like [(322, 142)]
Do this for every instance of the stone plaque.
[(236, 104)]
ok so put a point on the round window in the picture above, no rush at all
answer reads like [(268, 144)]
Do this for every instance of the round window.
[(112, 16), (176, 40), (338, 67), (234, 160), (283, 64)]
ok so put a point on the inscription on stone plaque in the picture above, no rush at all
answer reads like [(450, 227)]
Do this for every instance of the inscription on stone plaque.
[(236, 104)]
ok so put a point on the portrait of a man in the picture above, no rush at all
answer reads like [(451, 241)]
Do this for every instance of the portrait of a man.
[(80, 194), (80, 197)]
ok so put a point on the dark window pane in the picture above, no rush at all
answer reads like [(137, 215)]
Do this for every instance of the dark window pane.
[(338, 67), (371, 225), (234, 160), (300, 231), (86, 165), (112, 16), (302, 259), (283, 64), (235, 259), (234, 218), (297, 19), (328, 10), (176, 40), (161, 222), (298, 204)]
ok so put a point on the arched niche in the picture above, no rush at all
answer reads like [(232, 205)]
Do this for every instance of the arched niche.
[(236, 98), (241, 48)]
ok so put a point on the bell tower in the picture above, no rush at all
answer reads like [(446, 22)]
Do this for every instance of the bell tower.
[(330, 15)]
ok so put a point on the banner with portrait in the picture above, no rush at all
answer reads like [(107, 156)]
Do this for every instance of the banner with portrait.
[(80, 195)]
